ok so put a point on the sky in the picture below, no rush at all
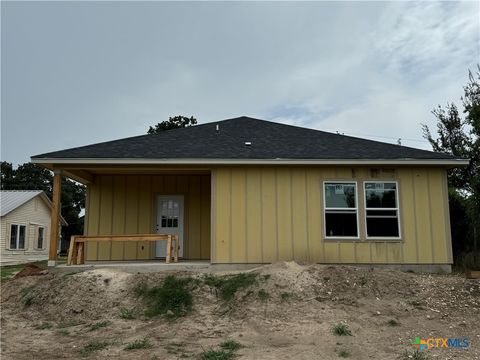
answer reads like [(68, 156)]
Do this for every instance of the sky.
[(76, 73)]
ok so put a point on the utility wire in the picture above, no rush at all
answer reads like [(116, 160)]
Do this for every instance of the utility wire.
[(388, 137)]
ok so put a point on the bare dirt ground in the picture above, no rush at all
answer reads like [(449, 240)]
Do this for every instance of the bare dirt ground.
[(52, 316)]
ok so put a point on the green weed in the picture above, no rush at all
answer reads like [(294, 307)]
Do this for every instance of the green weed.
[(139, 344), (263, 295), (43, 326), (227, 286), (344, 353), (128, 314), (99, 325), (392, 322), (173, 299), (231, 345), (341, 330), (216, 355), (93, 346)]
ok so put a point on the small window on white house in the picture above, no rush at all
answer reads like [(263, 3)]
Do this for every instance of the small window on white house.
[(341, 209), (40, 237), (17, 237), (381, 209)]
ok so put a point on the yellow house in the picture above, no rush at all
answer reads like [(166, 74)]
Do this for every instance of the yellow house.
[(245, 190)]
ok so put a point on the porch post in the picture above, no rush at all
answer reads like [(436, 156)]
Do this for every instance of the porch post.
[(55, 222)]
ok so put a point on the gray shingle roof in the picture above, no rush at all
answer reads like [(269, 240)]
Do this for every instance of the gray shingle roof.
[(269, 140)]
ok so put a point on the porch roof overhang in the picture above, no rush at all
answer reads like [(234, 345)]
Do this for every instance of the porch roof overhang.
[(85, 169)]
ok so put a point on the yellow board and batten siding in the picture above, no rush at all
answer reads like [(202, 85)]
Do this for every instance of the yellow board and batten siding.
[(262, 215), (126, 205)]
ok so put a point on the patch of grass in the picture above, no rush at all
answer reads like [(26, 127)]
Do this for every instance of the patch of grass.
[(26, 296), (93, 346), (231, 345), (363, 281), (285, 296), (6, 272), (43, 326), (267, 276), (173, 299), (263, 295), (128, 314), (216, 355), (227, 286), (138, 344), (344, 353), (415, 355), (341, 330), (174, 348), (63, 332), (99, 325), (392, 322)]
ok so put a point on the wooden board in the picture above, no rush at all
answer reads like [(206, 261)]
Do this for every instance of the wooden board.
[(77, 244), (473, 275)]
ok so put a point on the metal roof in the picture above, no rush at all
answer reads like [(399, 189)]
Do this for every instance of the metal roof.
[(12, 199)]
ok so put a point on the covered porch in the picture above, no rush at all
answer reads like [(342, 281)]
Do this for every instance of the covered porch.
[(126, 200)]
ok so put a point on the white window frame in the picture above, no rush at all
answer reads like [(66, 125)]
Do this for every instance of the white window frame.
[(37, 233), (397, 209), (341, 209), (17, 239)]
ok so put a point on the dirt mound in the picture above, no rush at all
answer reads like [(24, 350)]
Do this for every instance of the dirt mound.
[(31, 270), (287, 312)]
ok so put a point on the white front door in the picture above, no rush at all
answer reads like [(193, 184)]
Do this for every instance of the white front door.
[(169, 221)]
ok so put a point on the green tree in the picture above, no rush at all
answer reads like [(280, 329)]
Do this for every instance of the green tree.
[(460, 136), (29, 176), (172, 123)]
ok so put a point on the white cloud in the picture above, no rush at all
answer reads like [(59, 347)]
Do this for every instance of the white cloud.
[(100, 71)]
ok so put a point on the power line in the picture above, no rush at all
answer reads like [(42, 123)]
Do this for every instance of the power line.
[(388, 137)]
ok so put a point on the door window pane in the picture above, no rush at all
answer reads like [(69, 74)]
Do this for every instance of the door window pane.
[(170, 213)]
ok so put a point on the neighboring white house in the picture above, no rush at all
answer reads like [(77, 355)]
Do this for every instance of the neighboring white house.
[(25, 226)]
